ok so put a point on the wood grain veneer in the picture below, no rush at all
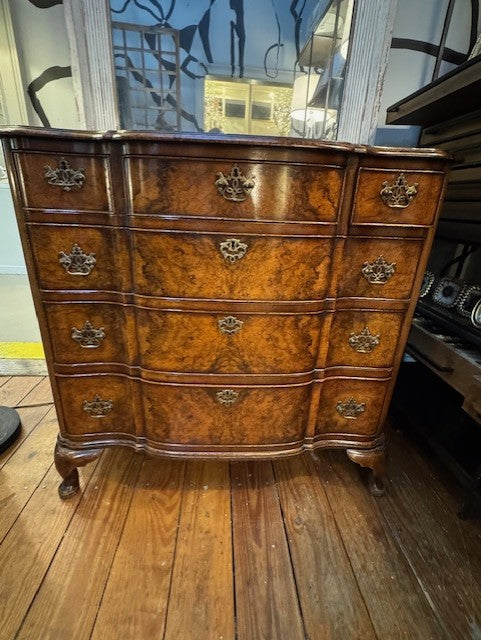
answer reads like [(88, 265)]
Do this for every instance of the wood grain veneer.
[(221, 296)]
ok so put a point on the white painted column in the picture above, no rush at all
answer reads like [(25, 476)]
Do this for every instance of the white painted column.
[(371, 35), (90, 38)]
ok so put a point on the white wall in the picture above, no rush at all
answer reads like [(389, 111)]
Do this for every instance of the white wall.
[(42, 45), (42, 49), (11, 254), (408, 69)]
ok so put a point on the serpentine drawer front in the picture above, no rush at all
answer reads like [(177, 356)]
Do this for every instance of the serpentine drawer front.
[(221, 296)]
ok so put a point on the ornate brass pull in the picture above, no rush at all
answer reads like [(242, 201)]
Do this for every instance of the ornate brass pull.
[(77, 263), (88, 337), (233, 249), (379, 271), (227, 397), (230, 325), (235, 186), (363, 342), (98, 408), (350, 409), (398, 194), (64, 176)]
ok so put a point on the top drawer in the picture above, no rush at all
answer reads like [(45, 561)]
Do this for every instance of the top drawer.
[(230, 189), (400, 198), (64, 181)]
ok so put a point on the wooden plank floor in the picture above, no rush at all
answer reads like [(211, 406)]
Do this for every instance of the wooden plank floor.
[(291, 550)]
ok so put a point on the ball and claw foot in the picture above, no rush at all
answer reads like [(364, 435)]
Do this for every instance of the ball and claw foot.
[(375, 460), (66, 461)]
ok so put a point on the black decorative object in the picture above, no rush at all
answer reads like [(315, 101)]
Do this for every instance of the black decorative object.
[(9, 427)]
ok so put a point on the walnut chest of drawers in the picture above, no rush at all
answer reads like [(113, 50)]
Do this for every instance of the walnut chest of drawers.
[(217, 296)]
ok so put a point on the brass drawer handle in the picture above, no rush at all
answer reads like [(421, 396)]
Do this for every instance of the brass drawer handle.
[(227, 397), (350, 409), (98, 408), (230, 325), (235, 186), (88, 337), (364, 342), (379, 271), (77, 263), (398, 194), (233, 249), (64, 176)]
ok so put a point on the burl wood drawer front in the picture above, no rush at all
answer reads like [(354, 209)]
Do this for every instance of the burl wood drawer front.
[(83, 332), (97, 404), (65, 182), (74, 257), (239, 190), (233, 417), (232, 266), (351, 406), (396, 197), (227, 343), (364, 338), (379, 268)]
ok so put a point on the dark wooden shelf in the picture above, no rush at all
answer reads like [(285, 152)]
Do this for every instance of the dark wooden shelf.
[(454, 94)]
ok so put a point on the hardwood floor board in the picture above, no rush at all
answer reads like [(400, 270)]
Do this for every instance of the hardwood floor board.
[(331, 602), (15, 389), (4, 379), (201, 600), (68, 599), (442, 552), (397, 606), (137, 591), (27, 551), (40, 394), (267, 606), (25, 469), (29, 418)]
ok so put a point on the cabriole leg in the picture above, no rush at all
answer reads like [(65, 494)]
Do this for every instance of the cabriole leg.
[(374, 459), (66, 461)]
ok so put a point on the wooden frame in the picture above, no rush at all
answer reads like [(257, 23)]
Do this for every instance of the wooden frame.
[(90, 38), (371, 35), (12, 96)]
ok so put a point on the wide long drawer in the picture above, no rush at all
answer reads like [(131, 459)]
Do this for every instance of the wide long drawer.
[(184, 415), (232, 267), (186, 342), (182, 265), (239, 190)]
